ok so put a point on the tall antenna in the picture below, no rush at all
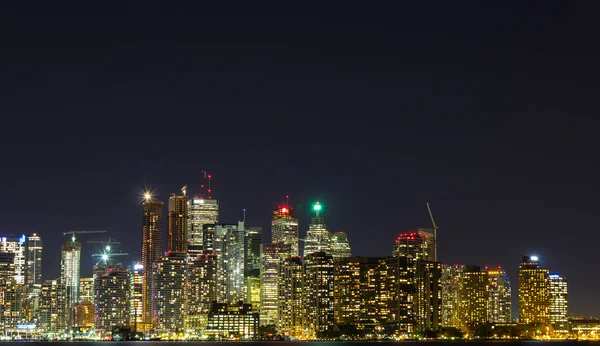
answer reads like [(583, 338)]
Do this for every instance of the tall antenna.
[(244, 215), (209, 177), (287, 201), (435, 228)]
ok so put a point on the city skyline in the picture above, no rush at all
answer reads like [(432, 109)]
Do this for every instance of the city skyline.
[(488, 111)]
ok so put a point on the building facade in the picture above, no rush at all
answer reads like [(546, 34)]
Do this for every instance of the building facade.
[(340, 246), (291, 298), (271, 256), (201, 212), (232, 320), (178, 223), (170, 276), (34, 259), (111, 297), (70, 270), (284, 228), (499, 296), (318, 294), (152, 227), (534, 297), (318, 237), (558, 309), (473, 297)]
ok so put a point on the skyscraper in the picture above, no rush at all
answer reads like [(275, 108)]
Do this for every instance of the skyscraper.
[(366, 291), (473, 297), (229, 248), (252, 243), (558, 304), (318, 293), (34, 259), (15, 248), (271, 256), (200, 212), (499, 298), (340, 246), (534, 297), (86, 289), (151, 249), (169, 291), (451, 276), (52, 303), (178, 223), (70, 270), (317, 237), (136, 296), (291, 298), (428, 295), (415, 245), (111, 298), (284, 228), (202, 290)]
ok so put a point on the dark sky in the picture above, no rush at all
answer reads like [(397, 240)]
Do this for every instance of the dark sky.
[(487, 110)]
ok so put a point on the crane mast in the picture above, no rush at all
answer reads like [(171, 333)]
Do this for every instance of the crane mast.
[(435, 228)]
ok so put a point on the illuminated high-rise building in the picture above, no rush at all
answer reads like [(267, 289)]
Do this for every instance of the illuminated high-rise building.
[(151, 250), (415, 245), (208, 240), (111, 297), (178, 223), (136, 280), (365, 291), (318, 294), (52, 303), (201, 212), (271, 256), (13, 298), (473, 297), (83, 314), (534, 297), (33, 277), (201, 291), (284, 228), (252, 243), (451, 275), (34, 259), (70, 270), (170, 276), (499, 298), (229, 248), (291, 298), (340, 246), (86, 289), (428, 295), (15, 248), (558, 304), (318, 237), (13, 290)]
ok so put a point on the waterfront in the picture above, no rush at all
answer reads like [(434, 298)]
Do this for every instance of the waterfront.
[(316, 343)]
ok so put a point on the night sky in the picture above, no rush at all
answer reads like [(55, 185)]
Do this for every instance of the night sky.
[(488, 111)]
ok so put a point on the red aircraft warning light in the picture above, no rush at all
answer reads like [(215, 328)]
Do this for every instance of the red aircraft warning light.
[(283, 210)]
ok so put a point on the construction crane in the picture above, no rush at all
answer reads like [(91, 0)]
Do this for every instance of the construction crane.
[(106, 256), (108, 242), (435, 229), (81, 232)]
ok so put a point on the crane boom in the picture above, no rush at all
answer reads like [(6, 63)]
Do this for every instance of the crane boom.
[(435, 228), (109, 241), (81, 232), (110, 254)]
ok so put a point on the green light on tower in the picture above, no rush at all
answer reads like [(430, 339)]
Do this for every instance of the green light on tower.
[(317, 207)]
